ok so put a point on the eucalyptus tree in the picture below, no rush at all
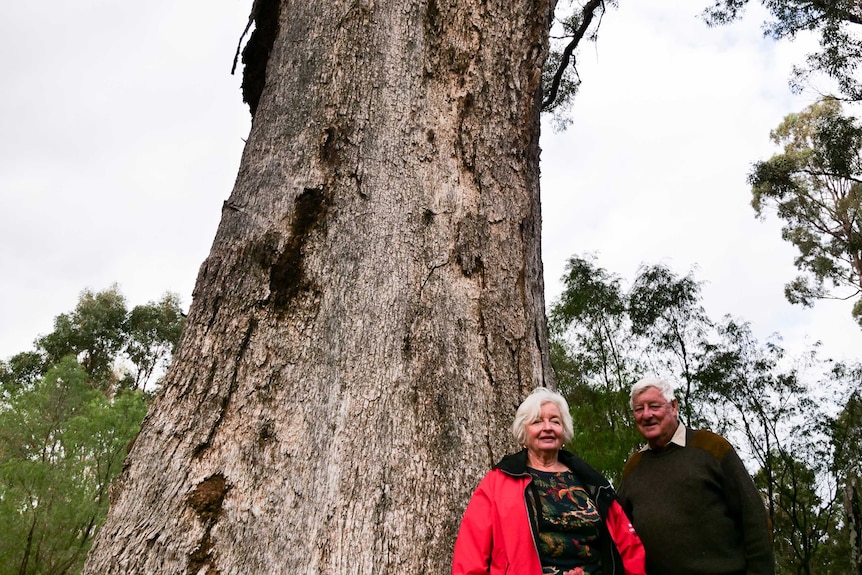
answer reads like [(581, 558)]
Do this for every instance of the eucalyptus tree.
[(815, 186), (94, 332), (68, 411), (780, 417), (62, 443), (371, 311), (596, 359), (20, 371), (591, 319), (748, 399), (607, 335), (116, 346), (815, 183), (667, 310), (806, 517), (153, 331), (560, 80), (847, 465)]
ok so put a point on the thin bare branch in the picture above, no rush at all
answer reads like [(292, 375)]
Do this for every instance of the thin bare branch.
[(588, 13)]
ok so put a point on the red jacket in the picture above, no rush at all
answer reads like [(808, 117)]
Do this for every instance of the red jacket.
[(497, 535)]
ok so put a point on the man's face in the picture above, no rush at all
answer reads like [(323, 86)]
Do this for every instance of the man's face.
[(656, 419)]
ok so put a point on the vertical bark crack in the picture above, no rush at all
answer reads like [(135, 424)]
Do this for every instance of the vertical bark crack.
[(225, 403)]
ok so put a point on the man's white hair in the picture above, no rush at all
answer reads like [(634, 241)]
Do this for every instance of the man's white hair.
[(662, 385)]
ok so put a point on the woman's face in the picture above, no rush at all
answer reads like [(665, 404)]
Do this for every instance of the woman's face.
[(545, 432)]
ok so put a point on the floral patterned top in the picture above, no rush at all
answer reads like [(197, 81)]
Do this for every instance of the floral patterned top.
[(569, 524)]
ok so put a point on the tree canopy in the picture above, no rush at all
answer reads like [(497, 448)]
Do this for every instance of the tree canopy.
[(795, 420), (815, 186), (68, 411), (117, 347)]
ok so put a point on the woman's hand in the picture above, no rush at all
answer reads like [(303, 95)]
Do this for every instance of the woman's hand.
[(575, 571)]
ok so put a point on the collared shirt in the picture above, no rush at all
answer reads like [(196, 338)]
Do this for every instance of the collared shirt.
[(678, 437)]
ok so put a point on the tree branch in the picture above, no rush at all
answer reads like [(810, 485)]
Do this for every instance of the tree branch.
[(845, 15), (824, 174), (587, 13)]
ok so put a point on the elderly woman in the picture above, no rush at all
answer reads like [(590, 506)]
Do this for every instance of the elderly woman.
[(543, 510)]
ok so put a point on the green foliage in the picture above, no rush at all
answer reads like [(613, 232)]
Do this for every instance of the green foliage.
[(62, 442), (815, 185), (846, 437), (605, 433), (804, 524), (589, 320), (615, 335), (605, 336), (118, 348), (751, 397), (743, 387), (568, 86), (21, 370), (836, 22), (815, 188), (594, 364), (153, 332), (749, 391), (93, 332), (665, 310), (68, 411), (846, 434)]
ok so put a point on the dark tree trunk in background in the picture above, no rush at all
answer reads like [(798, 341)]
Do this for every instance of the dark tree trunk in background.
[(372, 309), (853, 513)]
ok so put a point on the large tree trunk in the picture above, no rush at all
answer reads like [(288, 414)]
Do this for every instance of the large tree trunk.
[(372, 309)]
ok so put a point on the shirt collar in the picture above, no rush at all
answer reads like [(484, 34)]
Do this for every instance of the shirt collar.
[(678, 437)]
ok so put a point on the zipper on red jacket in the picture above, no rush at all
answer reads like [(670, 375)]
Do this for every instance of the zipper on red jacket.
[(534, 527), (533, 531)]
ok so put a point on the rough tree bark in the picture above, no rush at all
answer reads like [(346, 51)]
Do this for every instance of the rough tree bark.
[(371, 311)]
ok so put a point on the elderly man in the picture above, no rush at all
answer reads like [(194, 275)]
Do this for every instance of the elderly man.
[(689, 496)]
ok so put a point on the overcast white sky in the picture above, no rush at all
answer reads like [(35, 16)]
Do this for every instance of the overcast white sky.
[(121, 131)]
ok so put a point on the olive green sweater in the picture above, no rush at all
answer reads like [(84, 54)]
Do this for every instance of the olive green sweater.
[(697, 510)]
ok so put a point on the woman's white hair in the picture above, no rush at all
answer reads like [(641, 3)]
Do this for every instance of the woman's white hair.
[(662, 385), (532, 407)]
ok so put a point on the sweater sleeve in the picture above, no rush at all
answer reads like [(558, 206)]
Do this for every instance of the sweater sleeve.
[(745, 501), (472, 554)]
